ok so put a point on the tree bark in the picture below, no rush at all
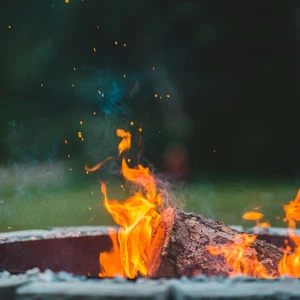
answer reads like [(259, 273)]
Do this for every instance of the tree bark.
[(179, 247)]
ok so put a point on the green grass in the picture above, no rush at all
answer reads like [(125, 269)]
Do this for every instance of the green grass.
[(48, 196), (228, 199)]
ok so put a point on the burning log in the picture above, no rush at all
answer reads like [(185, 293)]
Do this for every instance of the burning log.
[(186, 244)]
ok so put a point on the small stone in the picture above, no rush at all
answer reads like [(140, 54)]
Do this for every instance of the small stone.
[(12, 240), (221, 279), (184, 279), (33, 278), (33, 271), (22, 277), (200, 278), (288, 278), (64, 276), (4, 274), (144, 280), (119, 279), (46, 276), (233, 280)]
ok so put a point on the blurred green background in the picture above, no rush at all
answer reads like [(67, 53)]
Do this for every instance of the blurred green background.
[(50, 195), (213, 85)]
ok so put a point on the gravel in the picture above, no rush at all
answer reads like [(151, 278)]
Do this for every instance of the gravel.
[(34, 284), (35, 275)]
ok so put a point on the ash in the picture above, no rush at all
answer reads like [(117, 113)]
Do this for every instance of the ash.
[(54, 233), (35, 275)]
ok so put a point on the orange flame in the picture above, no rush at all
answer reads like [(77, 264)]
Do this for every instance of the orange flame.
[(125, 144), (264, 225), (126, 141), (240, 257), (113, 265), (98, 166), (290, 262), (137, 216), (256, 216), (292, 211), (252, 215)]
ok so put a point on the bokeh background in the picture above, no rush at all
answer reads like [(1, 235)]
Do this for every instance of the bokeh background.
[(210, 86)]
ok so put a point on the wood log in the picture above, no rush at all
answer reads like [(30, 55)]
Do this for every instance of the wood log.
[(180, 247)]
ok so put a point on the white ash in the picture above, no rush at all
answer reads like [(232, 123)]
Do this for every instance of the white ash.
[(54, 233), (35, 275)]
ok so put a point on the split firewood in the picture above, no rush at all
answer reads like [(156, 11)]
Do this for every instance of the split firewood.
[(186, 244)]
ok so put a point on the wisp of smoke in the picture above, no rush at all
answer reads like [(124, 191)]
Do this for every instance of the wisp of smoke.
[(111, 93), (111, 89), (164, 187)]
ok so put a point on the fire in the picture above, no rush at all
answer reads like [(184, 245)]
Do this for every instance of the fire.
[(256, 216), (292, 211), (252, 215), (240, 257), (290, 263), (125, 144), (113, 259), (137, 217)]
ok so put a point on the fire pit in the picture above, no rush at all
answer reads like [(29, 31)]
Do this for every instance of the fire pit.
[(72, 256), (76, 249), (158, 252)]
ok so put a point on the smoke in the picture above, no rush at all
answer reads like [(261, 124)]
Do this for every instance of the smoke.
[(170, 197), (110, 90)]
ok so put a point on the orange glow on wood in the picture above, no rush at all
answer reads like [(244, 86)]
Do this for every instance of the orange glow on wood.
[(240, 257)]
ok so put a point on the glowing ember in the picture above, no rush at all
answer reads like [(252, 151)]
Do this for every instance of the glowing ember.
[(137, 216), (240, 257)]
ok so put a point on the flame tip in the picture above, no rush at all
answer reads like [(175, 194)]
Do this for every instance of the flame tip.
[(136, 216)]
